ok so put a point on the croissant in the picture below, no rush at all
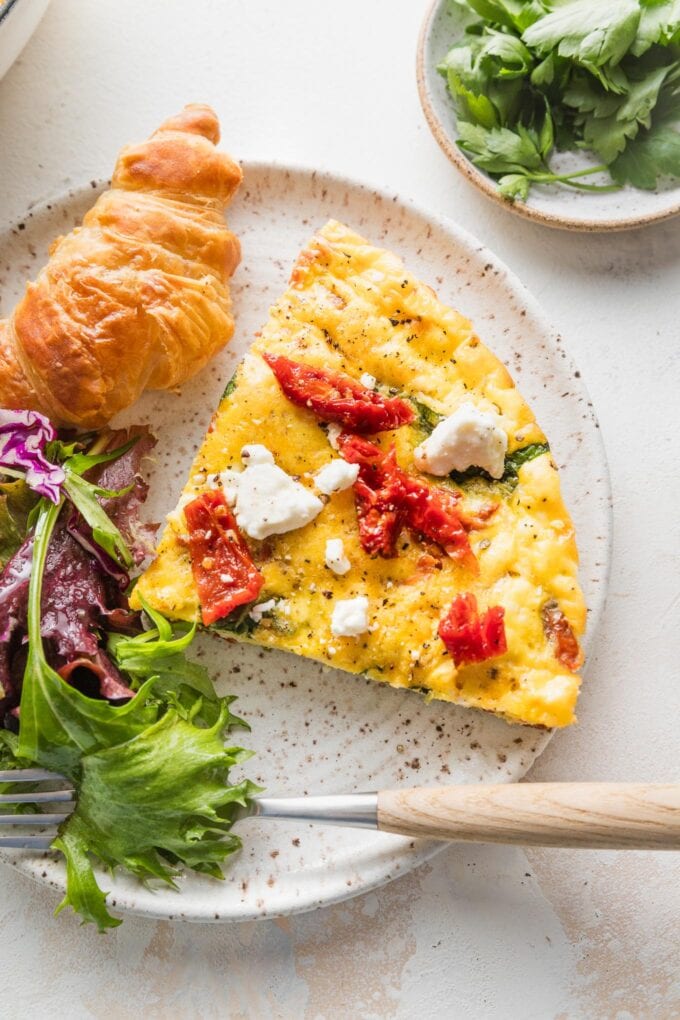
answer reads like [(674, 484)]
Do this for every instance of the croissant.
[(136, 297)]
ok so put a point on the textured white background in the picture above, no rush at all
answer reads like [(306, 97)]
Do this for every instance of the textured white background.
[(479, 932)]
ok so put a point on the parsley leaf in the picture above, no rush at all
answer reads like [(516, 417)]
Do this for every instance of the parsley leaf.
[(659, 23), (501, 150), (609, 121), (514, 186), (591, 32), (513, 14), (652, 154)]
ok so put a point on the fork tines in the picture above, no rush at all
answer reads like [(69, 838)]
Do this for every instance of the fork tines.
[(40, 819)]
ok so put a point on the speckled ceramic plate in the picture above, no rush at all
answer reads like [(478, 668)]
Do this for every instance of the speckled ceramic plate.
[(316, 729), (551, 205)]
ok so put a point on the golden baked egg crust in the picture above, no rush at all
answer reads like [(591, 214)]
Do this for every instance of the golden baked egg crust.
[(355, 308)]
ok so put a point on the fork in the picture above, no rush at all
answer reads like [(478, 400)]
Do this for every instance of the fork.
[(606, 816)]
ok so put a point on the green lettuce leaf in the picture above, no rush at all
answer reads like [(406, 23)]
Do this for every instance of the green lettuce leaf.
[(151, 776), (158, 655), (160, 800), (84, 496)]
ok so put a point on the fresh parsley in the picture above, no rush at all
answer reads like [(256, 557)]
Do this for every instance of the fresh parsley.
[(530, 79)]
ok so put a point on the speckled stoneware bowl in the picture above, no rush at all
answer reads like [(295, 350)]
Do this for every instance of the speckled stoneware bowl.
[(18, 21), (550, 205), (315, 729)]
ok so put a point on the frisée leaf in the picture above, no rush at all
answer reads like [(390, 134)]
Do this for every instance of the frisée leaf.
[(159, 800)]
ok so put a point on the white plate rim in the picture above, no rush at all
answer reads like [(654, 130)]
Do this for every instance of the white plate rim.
[(486, 185), (46, 869)]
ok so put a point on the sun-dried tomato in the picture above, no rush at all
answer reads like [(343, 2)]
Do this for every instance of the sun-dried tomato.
[(388, 499), (223, 568), (336, 397), (558, 630), (470, 637)]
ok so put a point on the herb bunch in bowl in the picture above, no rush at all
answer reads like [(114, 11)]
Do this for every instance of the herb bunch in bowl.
[(598, 76)]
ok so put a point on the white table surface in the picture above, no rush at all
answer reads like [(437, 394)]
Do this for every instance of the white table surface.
[(478, 932)]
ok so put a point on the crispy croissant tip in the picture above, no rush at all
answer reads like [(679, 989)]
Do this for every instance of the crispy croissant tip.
[(195, 119)]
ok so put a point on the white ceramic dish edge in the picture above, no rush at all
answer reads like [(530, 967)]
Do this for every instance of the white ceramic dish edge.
[(18, 21)]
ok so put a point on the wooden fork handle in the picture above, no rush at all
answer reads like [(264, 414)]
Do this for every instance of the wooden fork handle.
[(606, 816)]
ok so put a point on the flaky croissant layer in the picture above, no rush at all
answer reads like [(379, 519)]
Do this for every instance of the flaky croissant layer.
[(138, 296)]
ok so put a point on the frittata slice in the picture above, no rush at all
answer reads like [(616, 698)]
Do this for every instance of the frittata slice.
[(355, 309)]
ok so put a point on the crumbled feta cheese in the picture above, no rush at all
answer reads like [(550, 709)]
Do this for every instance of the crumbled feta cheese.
[(333, 432), (265, 499), (350, 617), (559, 689), (255, 453), (335, 556), (258, 611), (336, 476), (368, 380), (467, 438)]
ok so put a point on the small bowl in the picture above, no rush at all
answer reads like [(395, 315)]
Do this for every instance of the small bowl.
[(551, 205), (18, 21)]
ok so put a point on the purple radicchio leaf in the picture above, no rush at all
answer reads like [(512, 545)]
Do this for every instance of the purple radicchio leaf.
[(82, 590), (14, 582), (101, 674), (23, 438), (81, 532), (124, 510), (78, 601)]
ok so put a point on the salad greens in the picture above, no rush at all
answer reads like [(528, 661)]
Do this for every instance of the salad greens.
[(532, 78), (151, 772)]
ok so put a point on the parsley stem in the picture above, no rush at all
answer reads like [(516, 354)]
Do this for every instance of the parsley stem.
[(568, 179), (593, 187), (551, 177)]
